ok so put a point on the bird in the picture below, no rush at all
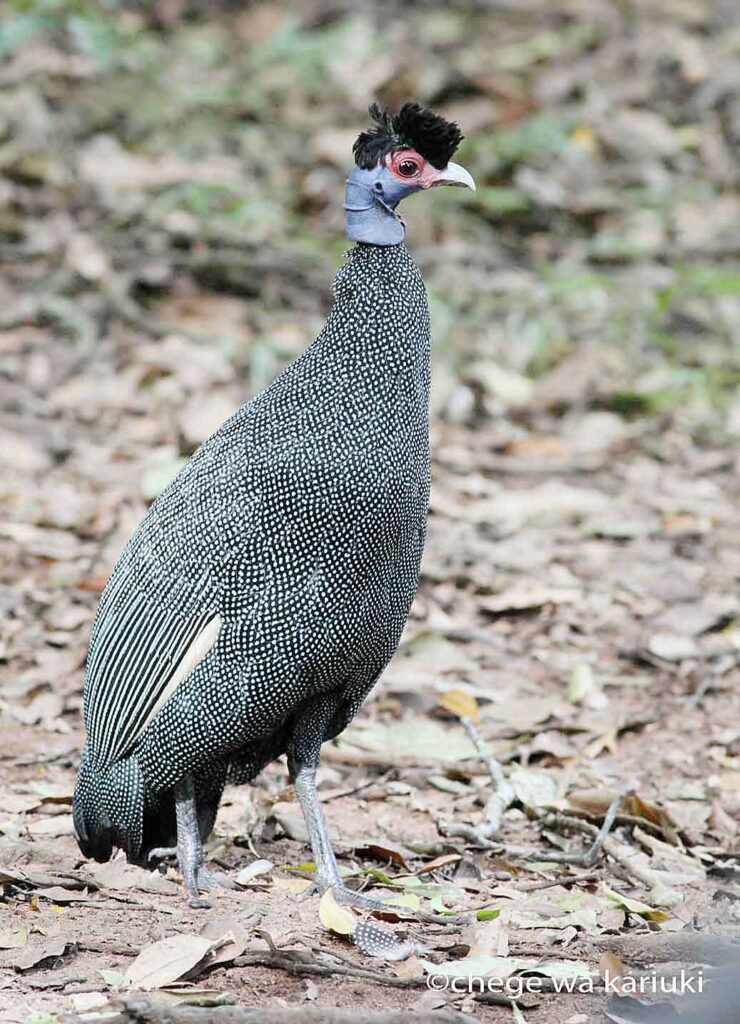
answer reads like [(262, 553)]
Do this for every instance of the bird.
[(266, 589)]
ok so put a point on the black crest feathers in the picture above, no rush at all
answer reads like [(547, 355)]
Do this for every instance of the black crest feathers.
[(413, 127)]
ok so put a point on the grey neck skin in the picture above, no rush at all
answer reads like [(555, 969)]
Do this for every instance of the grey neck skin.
[(371, 214)]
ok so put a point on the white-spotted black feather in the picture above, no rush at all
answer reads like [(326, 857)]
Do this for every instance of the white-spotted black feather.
[(299, 526)]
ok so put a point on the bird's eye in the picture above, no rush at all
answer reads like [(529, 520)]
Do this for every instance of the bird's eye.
[(408, 168)]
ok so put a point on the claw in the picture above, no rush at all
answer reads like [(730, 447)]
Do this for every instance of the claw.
[(204, 881), (310, 890)]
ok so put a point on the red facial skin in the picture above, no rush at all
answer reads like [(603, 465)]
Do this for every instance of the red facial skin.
[(424, 176)]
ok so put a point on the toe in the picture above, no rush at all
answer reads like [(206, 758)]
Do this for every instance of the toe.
[(348, 897), (161, 852), (208, 882)]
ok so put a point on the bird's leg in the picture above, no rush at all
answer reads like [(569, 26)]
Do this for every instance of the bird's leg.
[(189, 849), (327, 871), (367, 937)]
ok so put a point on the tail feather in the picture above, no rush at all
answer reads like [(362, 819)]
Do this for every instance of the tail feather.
[(108, 809), (115, 809)]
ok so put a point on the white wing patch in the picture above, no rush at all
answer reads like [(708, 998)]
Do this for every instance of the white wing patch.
[(141, 651), (199, 648)]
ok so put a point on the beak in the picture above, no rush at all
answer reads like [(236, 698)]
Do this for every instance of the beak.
[(454, 174)]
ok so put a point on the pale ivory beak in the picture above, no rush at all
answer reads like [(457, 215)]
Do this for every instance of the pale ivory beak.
[(454, 174)]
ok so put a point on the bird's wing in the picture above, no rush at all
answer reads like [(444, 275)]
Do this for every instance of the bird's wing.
[(145, 642)]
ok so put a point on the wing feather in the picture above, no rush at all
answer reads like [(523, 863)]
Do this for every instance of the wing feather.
[(142, 648)]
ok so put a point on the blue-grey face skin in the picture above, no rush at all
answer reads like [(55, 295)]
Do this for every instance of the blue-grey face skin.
[(372, 195), (370, 200)]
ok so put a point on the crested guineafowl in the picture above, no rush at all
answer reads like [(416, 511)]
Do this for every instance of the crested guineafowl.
[(267, 587)]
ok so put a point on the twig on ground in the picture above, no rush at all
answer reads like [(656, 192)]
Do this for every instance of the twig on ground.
[(405, 914), (296, 963), (335, 794), (585, 858), (624, 855), (622, 818), (565, 880), (494, 768), (109, 948), (474, 834), (146, 1010), (115, 898), (619, 852), (366, 759), (503, 797), (500, 800)]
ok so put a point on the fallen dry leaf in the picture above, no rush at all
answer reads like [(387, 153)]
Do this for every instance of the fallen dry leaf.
[(167, 960), (253, 870), (229, 936), (460, 704), (335, 918), (13, 937), (39, 952)]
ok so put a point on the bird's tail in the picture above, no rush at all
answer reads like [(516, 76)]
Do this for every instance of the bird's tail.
[(109, 808)]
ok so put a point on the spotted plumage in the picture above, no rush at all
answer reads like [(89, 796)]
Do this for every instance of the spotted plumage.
[(299, 525), (268, 585)]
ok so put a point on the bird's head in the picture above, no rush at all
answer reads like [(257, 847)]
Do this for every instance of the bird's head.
[(401, 154)]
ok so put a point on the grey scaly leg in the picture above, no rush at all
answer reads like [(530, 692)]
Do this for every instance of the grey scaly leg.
[(368, 937), (327, 871), (189, 845), (189, 849)]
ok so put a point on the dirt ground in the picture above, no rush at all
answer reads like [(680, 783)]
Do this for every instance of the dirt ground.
[(170, 220)]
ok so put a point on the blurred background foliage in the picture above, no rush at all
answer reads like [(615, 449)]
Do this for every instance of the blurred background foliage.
[(160, 160)]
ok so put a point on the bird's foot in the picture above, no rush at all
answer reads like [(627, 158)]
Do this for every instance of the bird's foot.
[(198, 878), (349, 897)]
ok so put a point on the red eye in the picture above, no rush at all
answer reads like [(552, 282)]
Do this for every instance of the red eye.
[(407, 168)]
